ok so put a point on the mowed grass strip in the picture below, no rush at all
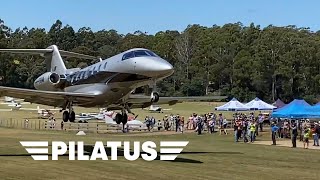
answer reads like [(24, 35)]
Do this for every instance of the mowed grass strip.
[(221, 159), (183, 109)]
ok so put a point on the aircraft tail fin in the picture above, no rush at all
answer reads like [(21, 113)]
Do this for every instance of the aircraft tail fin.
[(8, 99), (54, 61), (53, 55)]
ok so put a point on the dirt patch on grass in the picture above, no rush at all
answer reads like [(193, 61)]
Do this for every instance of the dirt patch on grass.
[(288, 143)]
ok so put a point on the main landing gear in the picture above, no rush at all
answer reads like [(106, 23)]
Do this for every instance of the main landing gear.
[(69, 115), (121, 118)]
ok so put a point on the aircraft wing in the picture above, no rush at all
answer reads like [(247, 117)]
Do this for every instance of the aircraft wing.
[(142, 101), (49, 98), (28, 109)]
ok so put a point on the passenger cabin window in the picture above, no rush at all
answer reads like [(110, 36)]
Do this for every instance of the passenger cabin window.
[(94, 70), (87, 73), (82, 74), (78, 76), (73, 78), (99, 69), (105, 65)]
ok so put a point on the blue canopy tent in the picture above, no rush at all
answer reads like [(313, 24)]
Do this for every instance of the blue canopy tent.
[(295, 109), (313, 111)]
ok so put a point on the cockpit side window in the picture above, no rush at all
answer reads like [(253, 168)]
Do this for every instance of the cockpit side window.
[(152, 53), (127, 55)]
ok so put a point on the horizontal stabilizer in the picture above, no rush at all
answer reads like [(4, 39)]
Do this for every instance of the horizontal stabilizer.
[(27, 51), (49, 50), (76, 55)]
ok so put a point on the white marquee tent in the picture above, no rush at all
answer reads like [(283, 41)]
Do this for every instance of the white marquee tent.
[(233, 105), (258, 104)]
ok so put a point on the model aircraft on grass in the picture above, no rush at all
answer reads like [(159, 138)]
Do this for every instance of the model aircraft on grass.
[(108, 83)]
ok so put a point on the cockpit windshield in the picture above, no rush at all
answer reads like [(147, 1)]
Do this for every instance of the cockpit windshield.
[(138, 53)]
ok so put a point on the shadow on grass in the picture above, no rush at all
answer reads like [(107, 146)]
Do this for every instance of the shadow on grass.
[(120, 152)]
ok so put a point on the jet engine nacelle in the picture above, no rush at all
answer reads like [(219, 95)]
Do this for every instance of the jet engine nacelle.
[(48, 81), (155, 97)]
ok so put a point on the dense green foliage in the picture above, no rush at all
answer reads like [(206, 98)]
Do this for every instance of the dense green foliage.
[(234, 60)]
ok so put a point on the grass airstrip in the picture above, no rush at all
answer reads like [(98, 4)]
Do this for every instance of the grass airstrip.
[(207, 156)]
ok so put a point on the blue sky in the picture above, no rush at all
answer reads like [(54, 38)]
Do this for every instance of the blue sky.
[(155, 15)]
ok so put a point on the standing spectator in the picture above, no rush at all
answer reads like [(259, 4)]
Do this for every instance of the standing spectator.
[(62, 125), (181, 122), (177, 122), (220, 118), (315, 134), (239, 132), (211, 125), (300, 130), (26, 123), (306, 137), (199, 125), (245, 131), (195, 120), (190, 122), (252, 131), (279, 124), (147, 120), (205, 121), (260, 120), (257, 127), (153, 122), (294, 135), (274, 129), (235, 130), (172, 121), (166, 123), (225, 124), (285, 129), (159, 125)]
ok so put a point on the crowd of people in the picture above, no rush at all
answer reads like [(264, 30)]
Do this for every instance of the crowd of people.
[(304, 129), (199, 123), (246, 127)]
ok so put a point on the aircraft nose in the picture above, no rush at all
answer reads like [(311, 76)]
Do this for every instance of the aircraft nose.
[(165, 68), (153, 67)]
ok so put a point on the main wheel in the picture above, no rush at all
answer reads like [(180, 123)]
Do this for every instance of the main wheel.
[(72, 116), (65, 116), (124, 118), (118, 118)]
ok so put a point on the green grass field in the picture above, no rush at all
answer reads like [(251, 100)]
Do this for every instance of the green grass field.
[(220, 158), (206, 156)]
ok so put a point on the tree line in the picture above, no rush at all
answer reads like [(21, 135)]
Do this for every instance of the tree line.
[(233, 59)]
